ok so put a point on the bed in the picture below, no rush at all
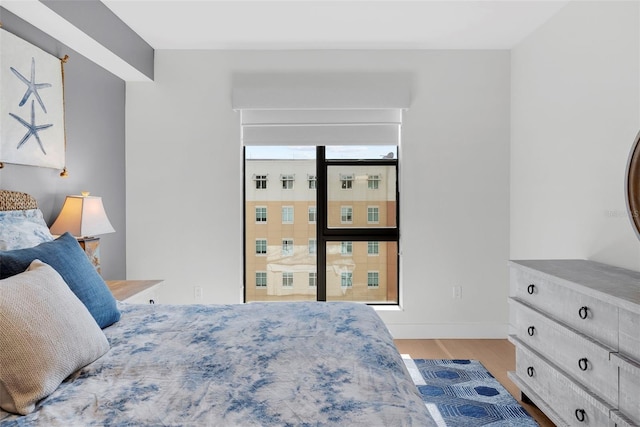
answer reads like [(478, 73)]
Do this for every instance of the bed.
[(258, 364)]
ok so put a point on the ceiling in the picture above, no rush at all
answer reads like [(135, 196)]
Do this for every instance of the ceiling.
[(334, 24)]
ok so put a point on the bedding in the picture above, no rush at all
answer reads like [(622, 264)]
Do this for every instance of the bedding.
[(258, 364)]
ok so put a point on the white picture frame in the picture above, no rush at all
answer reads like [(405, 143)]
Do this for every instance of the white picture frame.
[(31, 105)]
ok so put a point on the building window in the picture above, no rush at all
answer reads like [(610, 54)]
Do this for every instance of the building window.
[(287, 247), (373, 279), (373, 248), (346, 214), (346, 182), (312, 247), (313, 280), (287, 182), (373, 215), (261, 246), (346, 279), (287, 214), (287, 280), (261, 279), (261, 182), (313, 182), (313, 216), (373, 182), (261, 214), (346, 248)]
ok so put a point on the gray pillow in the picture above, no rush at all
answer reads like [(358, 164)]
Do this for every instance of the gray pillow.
[(46, 334)]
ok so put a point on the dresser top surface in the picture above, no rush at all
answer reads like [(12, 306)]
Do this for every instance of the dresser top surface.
[(622, 285)]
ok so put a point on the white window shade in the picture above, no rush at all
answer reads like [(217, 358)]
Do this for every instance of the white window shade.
[(321, 109)]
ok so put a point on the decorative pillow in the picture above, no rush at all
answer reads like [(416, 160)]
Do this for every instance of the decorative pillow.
[(67, 257), (22, 229), (46, 334)]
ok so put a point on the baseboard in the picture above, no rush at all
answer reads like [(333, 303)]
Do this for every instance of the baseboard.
[(449, 330)]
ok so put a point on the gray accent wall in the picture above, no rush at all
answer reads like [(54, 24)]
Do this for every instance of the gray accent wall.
[(95, 124)]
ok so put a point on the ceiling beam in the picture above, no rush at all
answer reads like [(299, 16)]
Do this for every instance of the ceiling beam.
[(44, 18)]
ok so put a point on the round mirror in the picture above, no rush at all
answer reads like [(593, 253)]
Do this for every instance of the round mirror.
[(633, 185)]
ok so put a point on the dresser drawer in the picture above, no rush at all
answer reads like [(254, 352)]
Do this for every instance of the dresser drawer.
[(629, 400), (583, 359), (584, 313), (629, 333), (148, 296), (575, 405)]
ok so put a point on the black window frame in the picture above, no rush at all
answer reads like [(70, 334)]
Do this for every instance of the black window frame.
[(324, 234)]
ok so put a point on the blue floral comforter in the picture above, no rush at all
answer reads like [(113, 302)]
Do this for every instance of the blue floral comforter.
[(259, 364)]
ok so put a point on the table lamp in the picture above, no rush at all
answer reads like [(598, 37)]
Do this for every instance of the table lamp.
[(84, 218)]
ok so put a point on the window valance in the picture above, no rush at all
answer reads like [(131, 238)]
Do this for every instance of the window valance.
[(321, 109)]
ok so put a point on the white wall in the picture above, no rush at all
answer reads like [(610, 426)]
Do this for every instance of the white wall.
[(184, 193), (575, 113)]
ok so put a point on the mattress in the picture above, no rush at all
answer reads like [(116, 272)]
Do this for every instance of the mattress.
[(258, 364)]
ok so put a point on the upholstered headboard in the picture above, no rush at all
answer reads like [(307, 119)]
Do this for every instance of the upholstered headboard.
[(14, 201)]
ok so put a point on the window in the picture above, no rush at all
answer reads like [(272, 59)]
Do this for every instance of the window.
[(313, 182), (287, 214), (261, 214), (346, 182), (373, 279), (373, 248), (351, 235), (287, 182), (287, 247), (373, 182), (261, 246), (373, 215), (346, 214), (346, 279), (261, 279), (261, 182), (346, 248), (287, 280)]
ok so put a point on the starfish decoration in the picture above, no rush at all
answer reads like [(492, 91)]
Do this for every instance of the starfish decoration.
[(32, 86), (33, 129)]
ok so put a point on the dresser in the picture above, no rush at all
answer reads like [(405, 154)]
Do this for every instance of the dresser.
[(135, 291), (576, 328)]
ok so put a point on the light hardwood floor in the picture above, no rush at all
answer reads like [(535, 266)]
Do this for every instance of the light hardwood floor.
[(498, 356)]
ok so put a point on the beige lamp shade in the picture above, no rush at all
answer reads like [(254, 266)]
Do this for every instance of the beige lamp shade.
[(82, 216)]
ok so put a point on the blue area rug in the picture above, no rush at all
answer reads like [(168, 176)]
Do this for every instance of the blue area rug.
[(464, 393)]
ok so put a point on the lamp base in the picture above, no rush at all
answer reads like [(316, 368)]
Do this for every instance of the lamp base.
[(91, 247)]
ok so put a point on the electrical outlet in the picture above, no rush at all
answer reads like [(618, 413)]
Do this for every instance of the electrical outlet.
[(197, 293), (457, 292)]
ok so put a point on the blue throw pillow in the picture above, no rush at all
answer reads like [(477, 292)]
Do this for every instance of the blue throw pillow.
[(67, 257)]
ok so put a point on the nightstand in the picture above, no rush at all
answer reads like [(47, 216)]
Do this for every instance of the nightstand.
[(135, 291)]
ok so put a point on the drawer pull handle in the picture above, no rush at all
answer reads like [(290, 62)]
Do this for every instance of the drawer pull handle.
[(531, 288), (531, 330), (580, 415), (151, 301), (530, 371), (583, 364), (583, 312)]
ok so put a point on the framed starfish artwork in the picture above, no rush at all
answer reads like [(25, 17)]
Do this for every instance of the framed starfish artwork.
[(31, 105)]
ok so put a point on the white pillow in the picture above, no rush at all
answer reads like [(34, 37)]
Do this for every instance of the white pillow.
[(22, 229), (46, 334)]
